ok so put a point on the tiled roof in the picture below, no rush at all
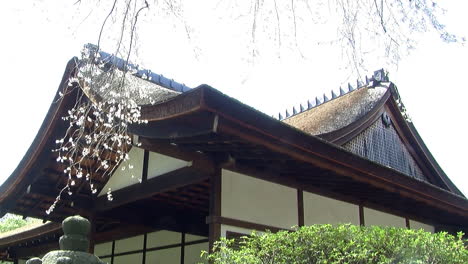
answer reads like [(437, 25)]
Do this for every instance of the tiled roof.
[(145, 74)]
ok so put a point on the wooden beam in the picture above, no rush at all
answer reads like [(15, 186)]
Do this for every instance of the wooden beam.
[(199, 160), (169, 181), (243, 224)]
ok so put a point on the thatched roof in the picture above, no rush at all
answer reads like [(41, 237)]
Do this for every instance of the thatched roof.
[(339, 112)]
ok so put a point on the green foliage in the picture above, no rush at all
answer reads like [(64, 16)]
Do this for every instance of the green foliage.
[(327, 244), (11, 222)]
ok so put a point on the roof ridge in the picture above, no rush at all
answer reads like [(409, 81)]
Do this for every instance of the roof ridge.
[(105, 59), (378, 77)]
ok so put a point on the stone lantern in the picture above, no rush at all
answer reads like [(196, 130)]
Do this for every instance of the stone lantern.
[(73, 245)]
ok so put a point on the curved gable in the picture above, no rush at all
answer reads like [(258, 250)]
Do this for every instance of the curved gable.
[(371, 122)]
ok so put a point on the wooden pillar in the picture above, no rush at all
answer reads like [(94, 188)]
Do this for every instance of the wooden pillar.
[(362, 221), (215, 208), (15, 261), (300, 207), (145, 245), (407, 223), (92, 233), (112, 252), (182, 248)]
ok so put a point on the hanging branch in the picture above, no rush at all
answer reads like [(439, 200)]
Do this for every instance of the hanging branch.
[(97, 140)]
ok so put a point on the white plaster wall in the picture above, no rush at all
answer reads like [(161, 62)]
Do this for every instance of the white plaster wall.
[(106, 260), (418, 225), (192, 253), (129, 259), (129, 244), (123, 176), (163, 238), (258, 201), (374, 217), (159, 164), (190, 237), (323, 210), (165, 256), (103, 249)]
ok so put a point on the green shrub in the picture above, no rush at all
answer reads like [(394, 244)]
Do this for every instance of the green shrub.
[(342, 244)]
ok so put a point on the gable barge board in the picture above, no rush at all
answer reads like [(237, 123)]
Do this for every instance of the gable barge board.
[(36, 157)]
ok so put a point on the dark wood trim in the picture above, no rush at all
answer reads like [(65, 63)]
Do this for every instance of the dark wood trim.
[(362, 221), (234, 235), (37, 154), (145, 241), (411, 144), (113, 252), (182, 248), (407, 222), (49, 229), (144, 174), (92, 233), (168, 181), (243, 224), (27, 252), (419, 150), (300, 207), (215, 207)]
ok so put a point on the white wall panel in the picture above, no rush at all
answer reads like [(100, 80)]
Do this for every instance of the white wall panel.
[(129, 244), (374, 217), (159, 164), (163, 238), (129, 259), (106, 260), (258, 201), (418, 225), (192, 253), (164, 256), (323, 210), (124, 176), (103, 249), (190, 237)]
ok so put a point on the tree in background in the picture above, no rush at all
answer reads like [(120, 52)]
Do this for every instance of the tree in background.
[(363, 29), (11, 222)]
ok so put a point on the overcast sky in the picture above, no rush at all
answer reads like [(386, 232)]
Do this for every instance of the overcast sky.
[(39, 37)]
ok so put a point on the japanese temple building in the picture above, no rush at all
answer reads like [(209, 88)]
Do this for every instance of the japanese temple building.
[(209, 166)]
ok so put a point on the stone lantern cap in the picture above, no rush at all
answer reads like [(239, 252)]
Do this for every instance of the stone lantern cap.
[(73, 245)]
